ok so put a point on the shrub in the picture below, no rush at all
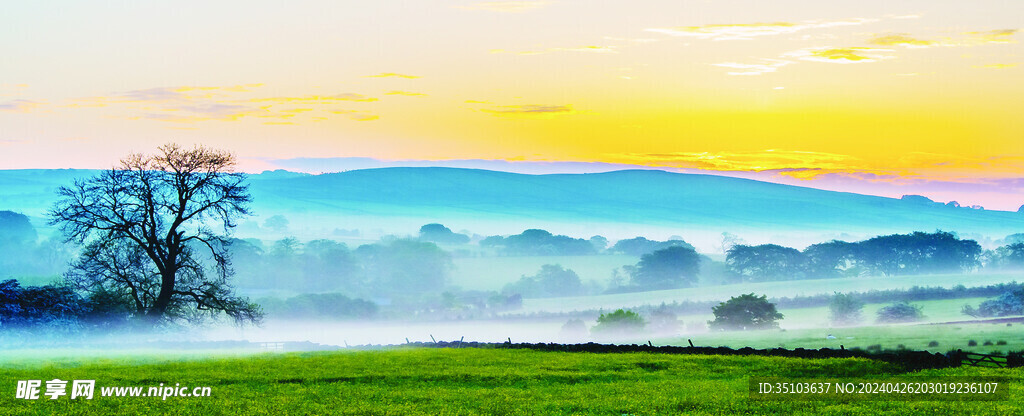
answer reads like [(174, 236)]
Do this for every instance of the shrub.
[(845, 309), (745, 312), (987, 343), (900, 312), (933, 344), (972, 343), (1001, 342), (621, 321)]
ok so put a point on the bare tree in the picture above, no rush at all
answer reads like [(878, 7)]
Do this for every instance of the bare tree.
[(157, 229)]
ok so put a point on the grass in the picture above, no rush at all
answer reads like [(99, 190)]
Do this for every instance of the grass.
[(404, 381)]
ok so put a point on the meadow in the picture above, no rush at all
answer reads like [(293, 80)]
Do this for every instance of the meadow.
[(404, 381)]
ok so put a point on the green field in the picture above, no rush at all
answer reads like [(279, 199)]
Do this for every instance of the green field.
[(470, 381)]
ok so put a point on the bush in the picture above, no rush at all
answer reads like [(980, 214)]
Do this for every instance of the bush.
[(573, 330), (933, 344), (987, 343), (900, 312), (619, 322), (845, 310), (972, 343), (745, 312), (1001, 342)]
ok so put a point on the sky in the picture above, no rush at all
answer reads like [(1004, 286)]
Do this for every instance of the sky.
[(877, 97)]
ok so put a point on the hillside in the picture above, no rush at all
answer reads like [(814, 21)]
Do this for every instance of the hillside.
[(630, 197)]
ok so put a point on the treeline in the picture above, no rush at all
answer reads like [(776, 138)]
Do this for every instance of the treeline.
[(22, 254), (56, 308), (890, 255), (913, 294), (394, 267)]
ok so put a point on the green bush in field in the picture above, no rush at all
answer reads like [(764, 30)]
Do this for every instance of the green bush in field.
[(745, 312), (621, 321), (900, 312), (844, 309)]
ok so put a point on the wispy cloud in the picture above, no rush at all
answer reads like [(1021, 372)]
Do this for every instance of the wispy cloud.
[(357, 115), (406, 93), (998, 66), (746, 31), (768, 66), (529, 110), (505, 6), (347, 96), (584, 49), (754, 161), (992, 36), (392, 75), (901, 39), (852, 55), (193, 104), (20, 106)]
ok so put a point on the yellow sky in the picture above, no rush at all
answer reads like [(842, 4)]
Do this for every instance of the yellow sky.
[(927, 90)]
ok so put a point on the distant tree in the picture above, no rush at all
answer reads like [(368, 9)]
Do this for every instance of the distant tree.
[(276, 223), (638, 246), (745, 312), (729, 240), (1014, 238), (440, 234), (16, 230), (329, 265), (918, 253), (1007, 304), (619, 322), (551, 281), (164, 205), (664, 321), (573, 330), (599, 242), (668, 268), (334, 306), (492, 241), (535, 242), (899, 312), (404, 266), (845, 310), (1010, 256), (832, 259), (765, 262), (17, 243)]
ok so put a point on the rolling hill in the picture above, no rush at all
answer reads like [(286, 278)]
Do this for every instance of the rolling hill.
[(628, 197)]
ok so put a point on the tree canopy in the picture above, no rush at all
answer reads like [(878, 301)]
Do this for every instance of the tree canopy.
[(745, 312), (156, 233), (668, 268)]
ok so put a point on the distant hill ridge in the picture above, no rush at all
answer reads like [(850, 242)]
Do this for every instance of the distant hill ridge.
[(628, 196)]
